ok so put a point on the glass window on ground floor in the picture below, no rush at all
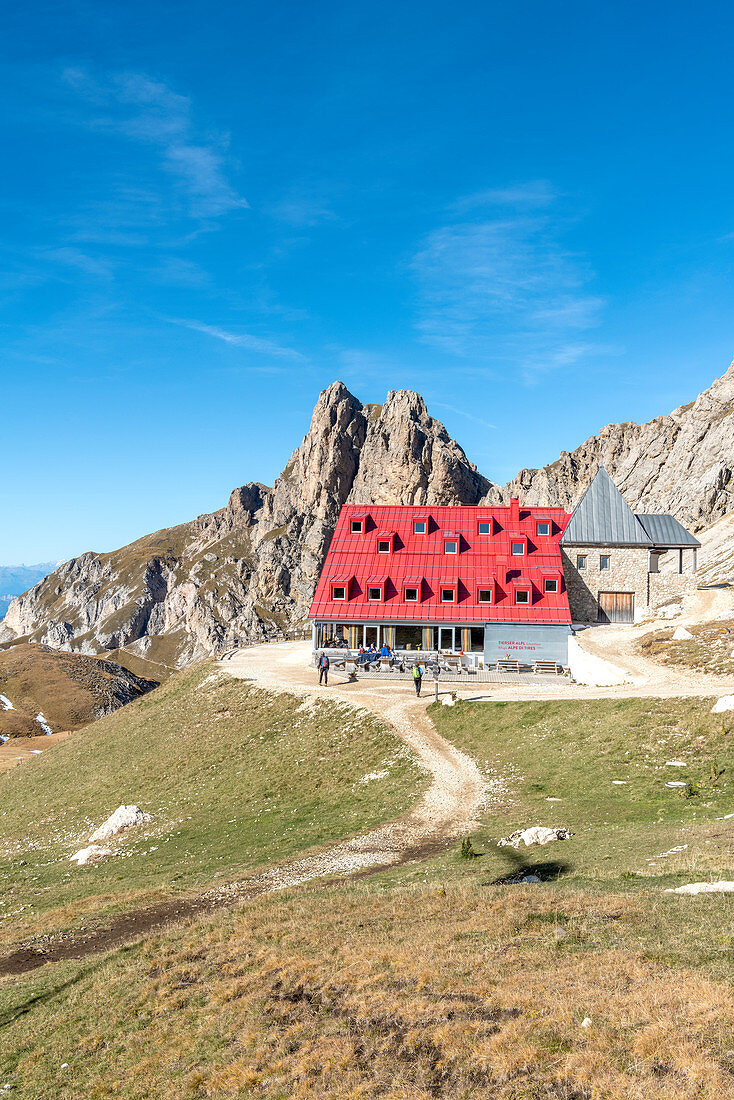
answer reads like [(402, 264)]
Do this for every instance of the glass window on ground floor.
[(477, 639), (408, 637)]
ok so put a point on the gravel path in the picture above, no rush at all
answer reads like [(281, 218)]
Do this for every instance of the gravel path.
[(447, 809)]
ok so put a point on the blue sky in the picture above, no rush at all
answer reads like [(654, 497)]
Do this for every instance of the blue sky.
[(210, 212)]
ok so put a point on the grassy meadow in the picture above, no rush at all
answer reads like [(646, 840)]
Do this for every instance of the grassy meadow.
[(444, 978), (236, 779)]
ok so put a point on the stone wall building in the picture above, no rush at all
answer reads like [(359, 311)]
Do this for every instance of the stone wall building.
[(621, 567)]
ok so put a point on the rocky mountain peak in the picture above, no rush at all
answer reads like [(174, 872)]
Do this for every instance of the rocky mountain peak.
[(250, 568)]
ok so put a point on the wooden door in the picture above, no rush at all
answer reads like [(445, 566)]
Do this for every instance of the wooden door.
[(616, 607)]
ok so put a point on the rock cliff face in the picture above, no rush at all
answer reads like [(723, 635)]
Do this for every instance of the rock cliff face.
[(681, 463), (250, 569)]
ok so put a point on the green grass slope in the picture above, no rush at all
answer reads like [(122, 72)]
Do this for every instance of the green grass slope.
[(600, 768), (442, 980), (236, 779)]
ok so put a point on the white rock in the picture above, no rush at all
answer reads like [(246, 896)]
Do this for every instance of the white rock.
[(89, 855), (531, 878), (620, 782), (536, 834), (676, 783), (680, 634), (586, 1022), (726, 702), (703, 888), (124, 817)]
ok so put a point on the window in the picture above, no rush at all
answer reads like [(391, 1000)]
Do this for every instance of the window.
[(384, 546), (450, 547), (542, 529), (484, 595), (419, 527), (604, 561), (581, 561), (484, 527), (522, 596), (448, 595), (411, 595), (550, 584), (518, 548), (338, 592), (356, 526), (374, 594)]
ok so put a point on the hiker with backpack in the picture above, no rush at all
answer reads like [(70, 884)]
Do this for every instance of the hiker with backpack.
[(417, 679), (323, 667)]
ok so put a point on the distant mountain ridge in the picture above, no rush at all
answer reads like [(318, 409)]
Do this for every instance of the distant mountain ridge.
[(250, 569), (16, 579)]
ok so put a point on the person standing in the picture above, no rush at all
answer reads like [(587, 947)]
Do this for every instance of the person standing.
[(323, 667), (417, 679)]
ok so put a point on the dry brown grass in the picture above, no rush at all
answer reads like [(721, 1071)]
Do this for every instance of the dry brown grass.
[(70, 689), (411, 994), (709, 650)]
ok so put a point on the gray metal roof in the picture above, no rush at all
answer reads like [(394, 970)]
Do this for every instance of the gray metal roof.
[(603, 518), (666, 532)]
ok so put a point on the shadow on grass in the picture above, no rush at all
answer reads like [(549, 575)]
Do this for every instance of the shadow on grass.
[(520, 867)]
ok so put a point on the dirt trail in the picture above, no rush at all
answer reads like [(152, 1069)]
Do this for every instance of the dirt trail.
[(448, 807), (446, 810)]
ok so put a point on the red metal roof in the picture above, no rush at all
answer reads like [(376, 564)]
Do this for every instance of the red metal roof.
[(417, 557)]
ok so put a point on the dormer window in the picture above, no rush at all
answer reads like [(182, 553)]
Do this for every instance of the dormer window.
[(451, 546), (374, 593), (356, 527), (542, 528), (517, 548), (338, 592), (484, 595), (385, 542), (484, 527), (410, 594), (522, 595), (420, 526), (550, 584), (448, 595)]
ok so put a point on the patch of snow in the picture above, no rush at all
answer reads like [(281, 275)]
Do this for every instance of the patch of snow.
[(536, 834), (675, 764), (4, 737), (89, 855), (124, 817), (620, 782), (671, 852), (676, 783), (41, 719), (680, 634), (531, 878), (5, 703), (36, 752), (586, 1022), (374, 775), (554, 800), (726, 702), (703, 888), (447, 701)]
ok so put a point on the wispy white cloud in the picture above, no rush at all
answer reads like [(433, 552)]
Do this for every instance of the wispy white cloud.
[(462, 412), (529, 195), (501, 288), (73, 257), (149, 112), (241, 340)]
